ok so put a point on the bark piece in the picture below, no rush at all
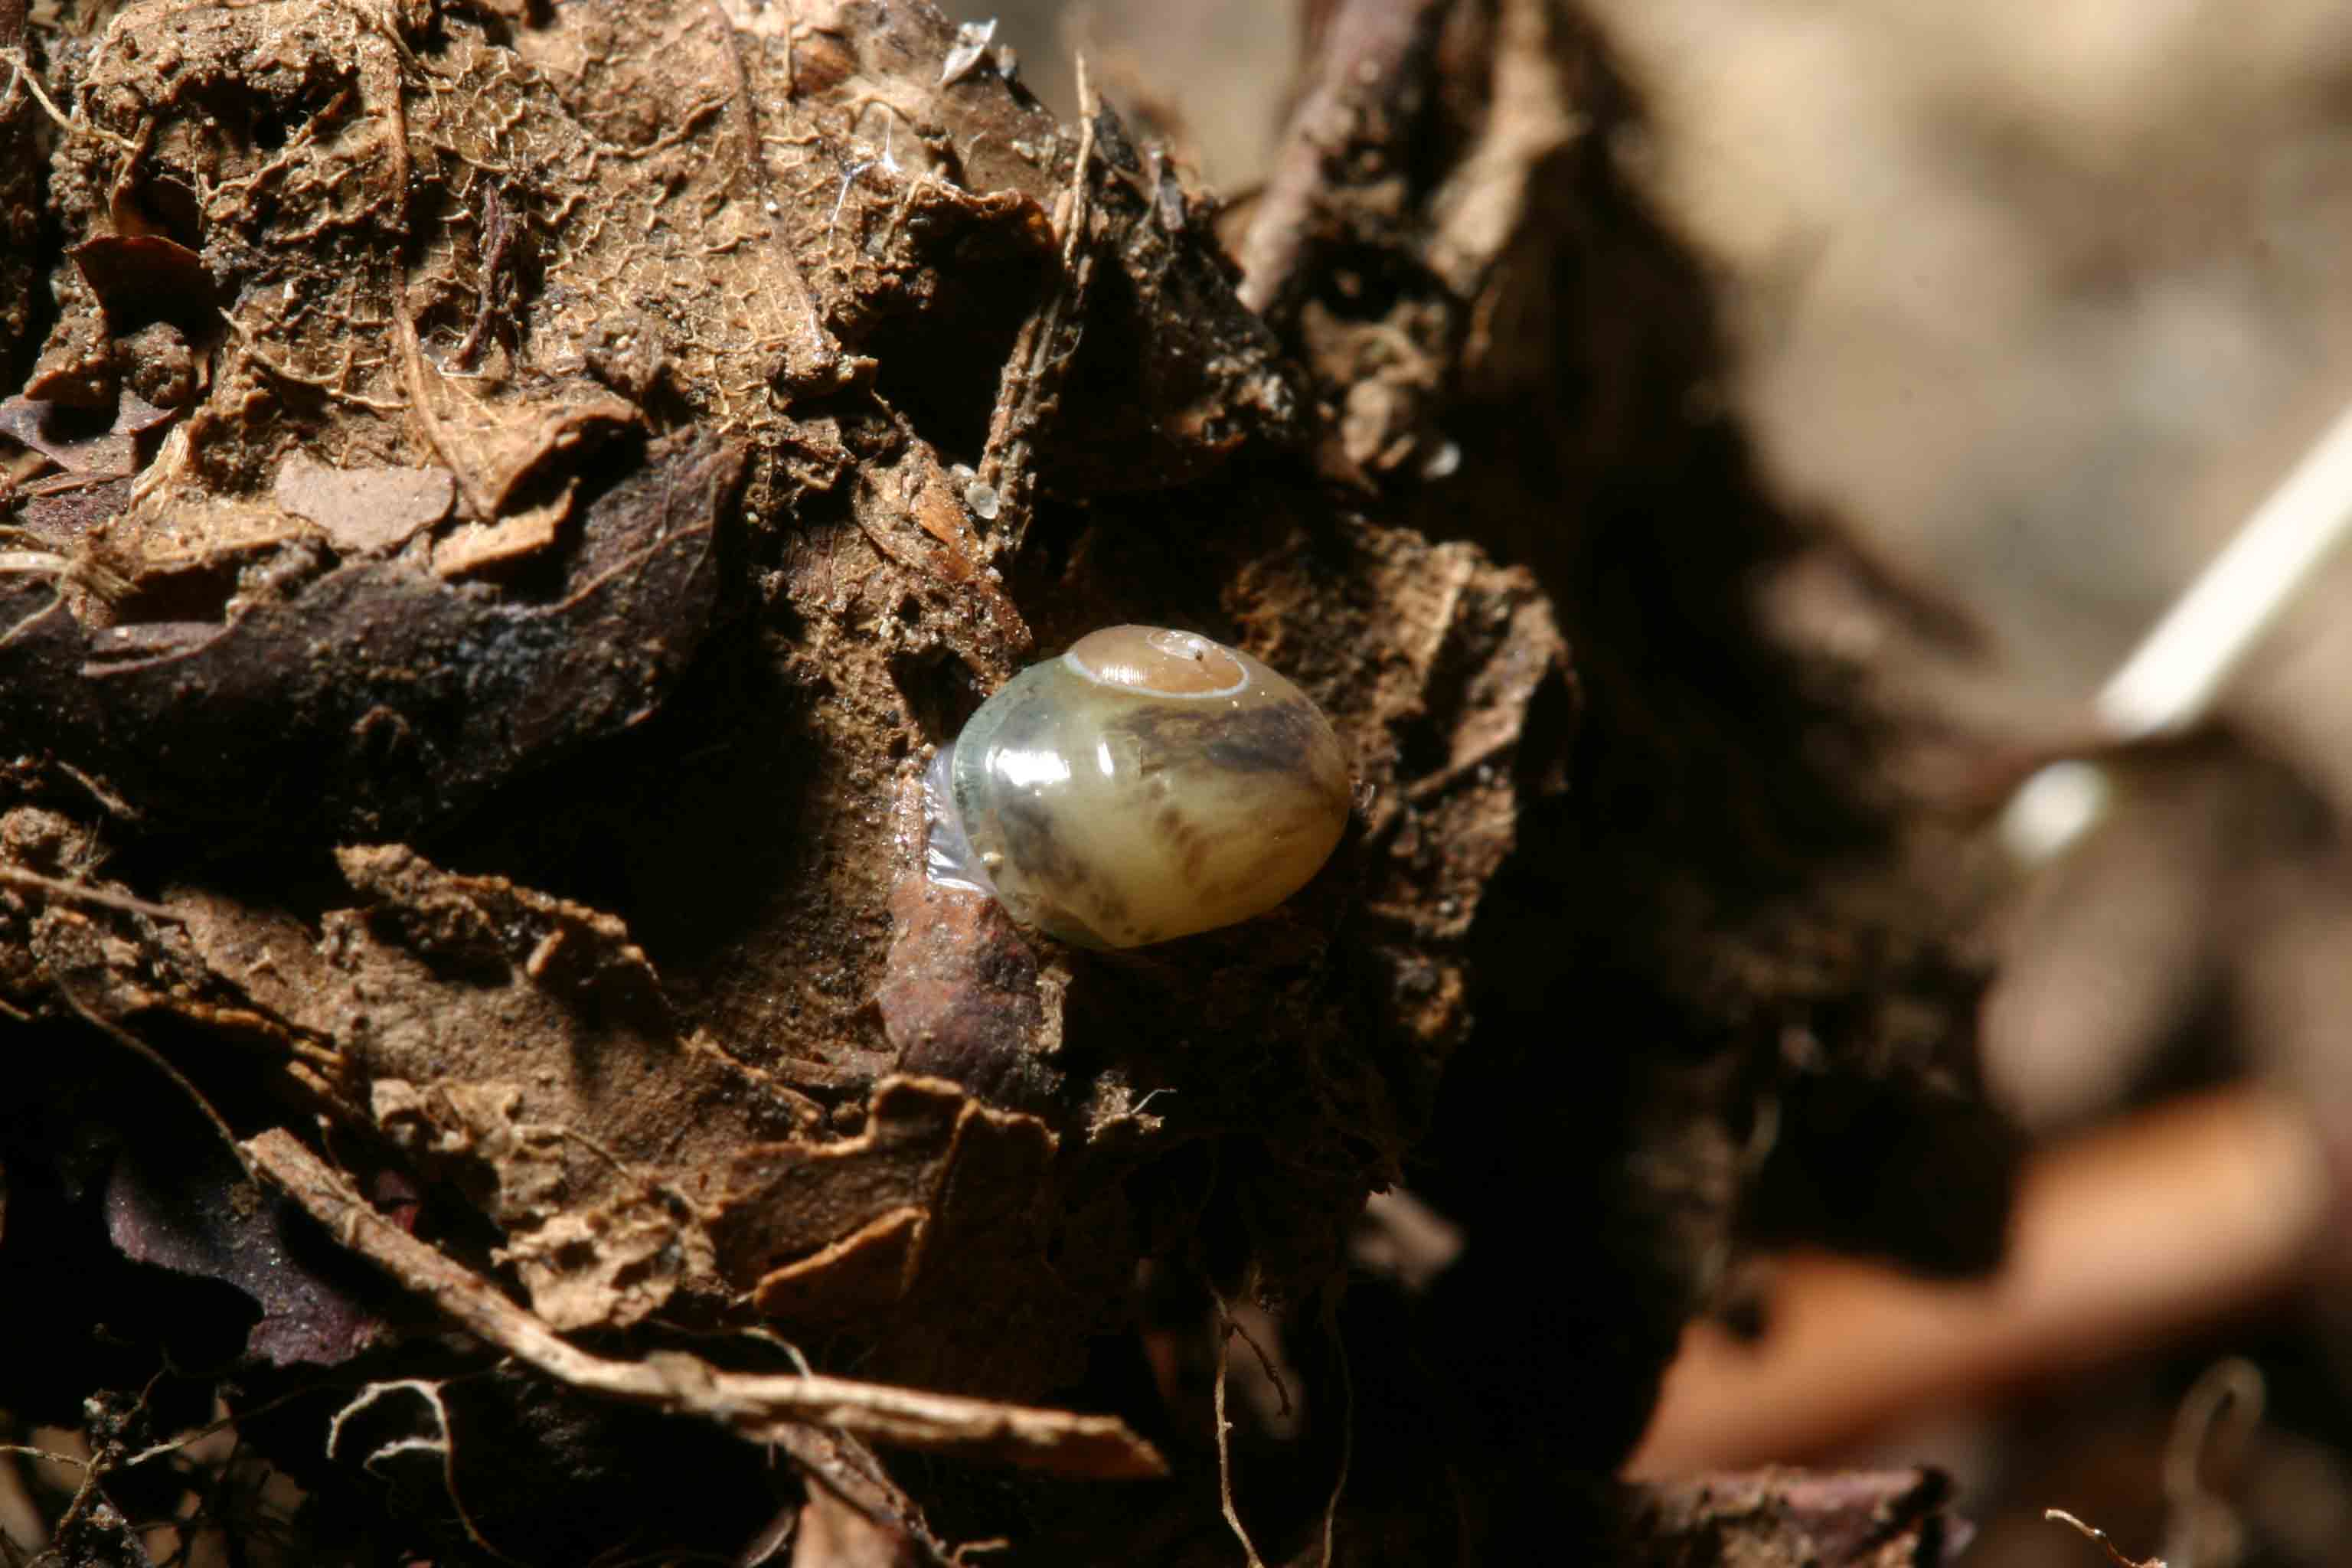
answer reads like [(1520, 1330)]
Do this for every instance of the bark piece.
[(1174, 371), (376, 696), (960, 996)]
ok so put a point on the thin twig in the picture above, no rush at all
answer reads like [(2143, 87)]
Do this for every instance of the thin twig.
[(51, 1454), (1347, 1420), (72, 125), (1265, 1363), (83, 893), (162, 1064), (198, 1433), (2173, 676), (414, 370), (115, 804), (761, 1407), (1081, 180), (445, 1446), (2062, 1517), (1226, 1328)]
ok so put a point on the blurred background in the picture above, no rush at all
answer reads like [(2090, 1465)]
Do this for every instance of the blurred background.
[(2034, 301)]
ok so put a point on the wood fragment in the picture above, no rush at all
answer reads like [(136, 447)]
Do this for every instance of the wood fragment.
[(1047, 340)]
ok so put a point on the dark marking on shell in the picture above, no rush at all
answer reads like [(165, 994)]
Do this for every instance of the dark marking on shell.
[(1032, 841), (1254, 741)]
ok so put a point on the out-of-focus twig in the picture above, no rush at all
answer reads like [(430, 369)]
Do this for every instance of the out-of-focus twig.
[(1365, 49), (2125, 1237), (2219, 1414), (2106, 1544), (2171, 678)]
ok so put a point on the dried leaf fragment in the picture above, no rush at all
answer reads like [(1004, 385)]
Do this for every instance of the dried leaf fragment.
[(480, 546), (78, 440), (365, 510)]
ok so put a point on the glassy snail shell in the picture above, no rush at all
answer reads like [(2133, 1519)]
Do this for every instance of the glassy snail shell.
[(1147, 783)]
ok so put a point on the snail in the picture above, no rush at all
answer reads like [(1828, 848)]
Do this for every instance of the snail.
[(1147, 783)]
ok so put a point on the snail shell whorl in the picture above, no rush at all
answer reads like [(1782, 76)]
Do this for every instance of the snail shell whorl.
[(1147, 785)]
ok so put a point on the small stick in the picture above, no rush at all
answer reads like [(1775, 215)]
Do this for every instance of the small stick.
[(2108, 1546), (1226, 1330), (82, 892), (759, 1408), (1347, 1423), (162, 1064), (2171, 678)]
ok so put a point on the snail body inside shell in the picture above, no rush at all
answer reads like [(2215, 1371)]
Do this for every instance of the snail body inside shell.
[(1147, 783)]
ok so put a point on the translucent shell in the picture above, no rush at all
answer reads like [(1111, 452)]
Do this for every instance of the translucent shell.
[(1147, 785)]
